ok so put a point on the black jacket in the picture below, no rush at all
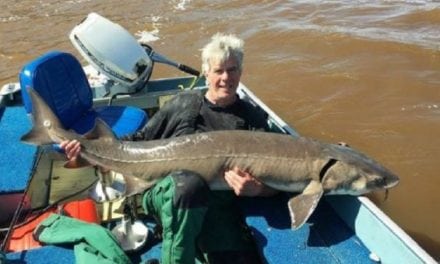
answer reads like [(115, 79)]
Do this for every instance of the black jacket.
[(189, 113)]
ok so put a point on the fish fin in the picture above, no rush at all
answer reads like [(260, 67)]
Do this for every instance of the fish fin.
[(37, 136), (79, 162), (102, 131), (303, 205), (134, 185)]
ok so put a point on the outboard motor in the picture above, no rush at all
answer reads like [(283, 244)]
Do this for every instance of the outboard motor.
[(112, 51)]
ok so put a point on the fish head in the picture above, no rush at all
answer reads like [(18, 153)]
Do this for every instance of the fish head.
[(47, 128), (348, 171)]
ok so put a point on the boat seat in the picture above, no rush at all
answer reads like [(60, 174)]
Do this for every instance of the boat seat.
[(60, 80)]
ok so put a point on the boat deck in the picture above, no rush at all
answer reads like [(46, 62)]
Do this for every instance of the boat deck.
[(325, 238), (16, 159)]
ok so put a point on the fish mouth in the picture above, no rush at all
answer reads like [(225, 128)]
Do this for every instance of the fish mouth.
[(392, 184), (392, 180)]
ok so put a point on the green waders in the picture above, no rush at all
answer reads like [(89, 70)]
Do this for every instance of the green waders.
[(92, 243), (180, 202)]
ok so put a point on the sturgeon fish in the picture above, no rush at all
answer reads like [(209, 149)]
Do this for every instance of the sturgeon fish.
[(298, 165)]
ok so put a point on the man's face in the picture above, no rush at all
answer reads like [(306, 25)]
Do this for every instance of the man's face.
[(223, 79)]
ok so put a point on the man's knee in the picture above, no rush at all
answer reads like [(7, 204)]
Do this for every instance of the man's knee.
[(190, 190)]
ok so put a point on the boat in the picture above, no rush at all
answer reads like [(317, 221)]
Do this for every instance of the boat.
[(34, 184)]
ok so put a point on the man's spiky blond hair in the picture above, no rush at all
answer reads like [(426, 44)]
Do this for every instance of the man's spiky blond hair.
[(222, 47)]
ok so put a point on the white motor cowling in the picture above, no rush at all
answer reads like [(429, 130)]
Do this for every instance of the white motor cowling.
[(113, 51)]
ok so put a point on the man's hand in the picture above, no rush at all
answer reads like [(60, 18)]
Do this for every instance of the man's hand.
[(71, 148), (244, 184)]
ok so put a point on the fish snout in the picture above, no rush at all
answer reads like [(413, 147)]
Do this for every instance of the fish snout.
[(384, 181), (391, 181)]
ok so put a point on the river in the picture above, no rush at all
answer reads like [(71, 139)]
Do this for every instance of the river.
[(363, 72)]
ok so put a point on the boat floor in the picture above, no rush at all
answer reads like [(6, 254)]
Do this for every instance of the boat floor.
[(323, 239)]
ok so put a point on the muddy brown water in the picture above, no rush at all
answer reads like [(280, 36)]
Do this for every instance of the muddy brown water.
[(367, 74)]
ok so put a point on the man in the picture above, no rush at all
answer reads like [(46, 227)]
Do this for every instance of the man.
[(196, 221)]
